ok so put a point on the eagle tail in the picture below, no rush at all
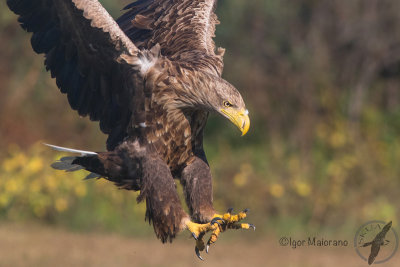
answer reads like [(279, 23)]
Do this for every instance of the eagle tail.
[(69, 164), (71, 150)]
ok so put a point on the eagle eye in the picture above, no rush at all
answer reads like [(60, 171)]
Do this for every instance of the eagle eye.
[(227, 104)]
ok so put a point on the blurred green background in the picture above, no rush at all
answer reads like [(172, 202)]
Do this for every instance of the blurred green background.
[(321, 80)]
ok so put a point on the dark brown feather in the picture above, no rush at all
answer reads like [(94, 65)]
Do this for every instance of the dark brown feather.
[(83, 46), (184, 29)]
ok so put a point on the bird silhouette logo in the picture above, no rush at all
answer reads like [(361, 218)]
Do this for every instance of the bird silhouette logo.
[(373, 234), (378, 241)]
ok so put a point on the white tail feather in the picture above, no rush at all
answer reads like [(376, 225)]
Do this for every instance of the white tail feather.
[(70, 150)]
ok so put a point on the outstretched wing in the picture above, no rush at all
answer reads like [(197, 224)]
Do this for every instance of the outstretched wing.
[(84, 47), (381, 235), (374, 252), (385, 229), (184, 29)]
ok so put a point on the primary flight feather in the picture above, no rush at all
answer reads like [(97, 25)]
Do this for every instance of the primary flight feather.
[(151, 78)]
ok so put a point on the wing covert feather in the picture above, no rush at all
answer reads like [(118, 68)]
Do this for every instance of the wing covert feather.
[(183, 28)]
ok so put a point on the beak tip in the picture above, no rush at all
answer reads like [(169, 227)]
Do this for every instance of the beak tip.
[(246, 126), (244, 131)]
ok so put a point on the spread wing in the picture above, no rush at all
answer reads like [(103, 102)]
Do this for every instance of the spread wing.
[(385, 229), (379, 238), (83, 47), (183, 28), (374, 252)]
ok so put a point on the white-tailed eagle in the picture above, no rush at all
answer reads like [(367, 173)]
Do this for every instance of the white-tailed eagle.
[(151, 78)]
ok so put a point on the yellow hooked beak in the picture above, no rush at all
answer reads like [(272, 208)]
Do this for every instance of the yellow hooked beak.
[(238, 117)]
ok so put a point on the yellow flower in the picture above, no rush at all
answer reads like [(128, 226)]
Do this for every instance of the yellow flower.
[(302, 188), (11, 186), (13, 163), (335, 169), (51, 183), (34, 165), (80, 189), (277, 190), (61, 204), (240, 180)]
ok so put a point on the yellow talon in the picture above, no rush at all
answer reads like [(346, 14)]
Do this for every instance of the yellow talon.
[(229, 218), (218, 224), (230, 221), (214, 236), (199, 229), (241, 226)]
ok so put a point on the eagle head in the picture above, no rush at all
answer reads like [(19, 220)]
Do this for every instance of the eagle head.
[(226, 100), (214, 94)]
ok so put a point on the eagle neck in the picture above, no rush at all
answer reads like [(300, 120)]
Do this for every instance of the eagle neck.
[(196, 90)]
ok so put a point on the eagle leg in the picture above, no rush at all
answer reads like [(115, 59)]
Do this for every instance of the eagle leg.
[(197, 184)]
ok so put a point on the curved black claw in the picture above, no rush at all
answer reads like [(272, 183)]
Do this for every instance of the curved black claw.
[(229, 210), (252, 226), (194, 236), (198, 253), (207, 247), (216, 220)]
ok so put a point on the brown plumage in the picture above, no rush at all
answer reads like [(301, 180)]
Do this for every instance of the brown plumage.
[(150, 80)]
